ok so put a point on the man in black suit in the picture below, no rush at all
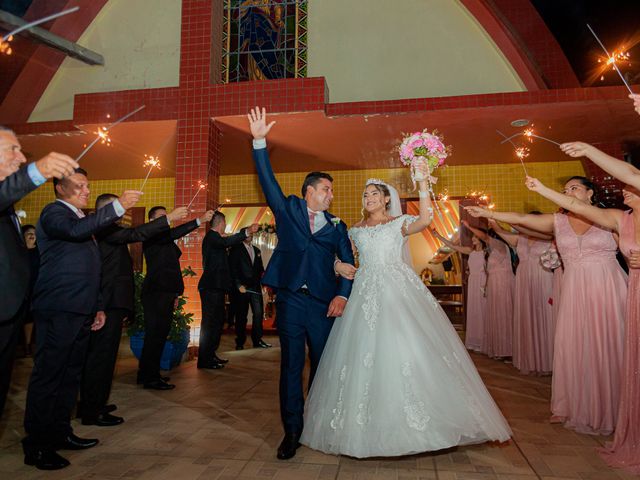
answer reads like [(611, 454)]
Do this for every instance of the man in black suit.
[(162, 286), (65, 303), (15, 183), (214, 283), (117, 291), (245, 262)]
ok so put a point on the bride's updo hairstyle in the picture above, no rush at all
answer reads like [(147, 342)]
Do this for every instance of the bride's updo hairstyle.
[(382, 188)]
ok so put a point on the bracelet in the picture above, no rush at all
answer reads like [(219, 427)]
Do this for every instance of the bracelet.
[(423, 194)]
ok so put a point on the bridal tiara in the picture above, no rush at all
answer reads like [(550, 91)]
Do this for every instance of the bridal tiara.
[(375, 181)]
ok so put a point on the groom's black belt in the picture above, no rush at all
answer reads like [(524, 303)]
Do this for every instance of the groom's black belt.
[(304, 291)]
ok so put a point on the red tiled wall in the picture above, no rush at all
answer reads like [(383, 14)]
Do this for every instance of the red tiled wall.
[(546, 51), (481, 100)]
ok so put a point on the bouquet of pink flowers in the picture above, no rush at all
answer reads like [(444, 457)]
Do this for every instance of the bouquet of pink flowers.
[(423, 147)]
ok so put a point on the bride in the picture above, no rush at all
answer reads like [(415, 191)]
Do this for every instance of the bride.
[(394, 378)]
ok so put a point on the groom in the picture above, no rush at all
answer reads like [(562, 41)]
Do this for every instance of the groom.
[(312, 246)]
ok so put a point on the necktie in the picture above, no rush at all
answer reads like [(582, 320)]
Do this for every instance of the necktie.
[(15, 220)]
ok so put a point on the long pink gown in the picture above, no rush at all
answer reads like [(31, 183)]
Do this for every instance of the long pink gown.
[(625, 450), (476, 302), (532, 314), (587, 359), (500, 283), (555, 295)]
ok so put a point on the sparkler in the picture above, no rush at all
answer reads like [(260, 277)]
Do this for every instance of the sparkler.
[(201, 186), (610, 59), (508, 139), (529, 134), (9, 36), (151, 162), (522, 153), (102, 132)]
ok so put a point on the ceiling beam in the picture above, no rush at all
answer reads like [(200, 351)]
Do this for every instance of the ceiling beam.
[(52, 40)]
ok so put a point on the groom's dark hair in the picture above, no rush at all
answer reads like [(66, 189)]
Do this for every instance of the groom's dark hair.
[(312, 179)]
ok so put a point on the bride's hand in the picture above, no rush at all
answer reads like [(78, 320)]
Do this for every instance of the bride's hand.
[(336, 307), (345, 270)]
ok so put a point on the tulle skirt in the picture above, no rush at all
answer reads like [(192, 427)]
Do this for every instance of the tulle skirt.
[(395, 378)]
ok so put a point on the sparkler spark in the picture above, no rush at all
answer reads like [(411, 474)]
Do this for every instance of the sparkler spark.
[(102, 132), (103, 135), (151, 162), (611, 59), (200, 186), (522, 152), (5, 48)]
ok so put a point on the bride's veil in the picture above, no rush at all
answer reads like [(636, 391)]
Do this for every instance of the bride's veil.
[(395, 210)]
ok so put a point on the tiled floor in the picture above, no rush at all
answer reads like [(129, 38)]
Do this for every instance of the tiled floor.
[(224, 424)]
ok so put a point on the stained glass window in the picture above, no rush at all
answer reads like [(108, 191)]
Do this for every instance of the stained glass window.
[(264, 40)]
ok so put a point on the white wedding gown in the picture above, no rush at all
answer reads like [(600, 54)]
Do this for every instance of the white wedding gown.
[(394, 378)]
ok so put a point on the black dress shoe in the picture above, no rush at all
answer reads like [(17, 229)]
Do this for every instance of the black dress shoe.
[(217, 359), (158, 385), (73, 442), (103, 420), (239, 347), (211, 366), (45, 459), (140, 381), (261, 344), (288, 446)]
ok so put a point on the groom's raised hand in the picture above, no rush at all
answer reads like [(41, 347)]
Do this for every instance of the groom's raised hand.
[(258, 123)]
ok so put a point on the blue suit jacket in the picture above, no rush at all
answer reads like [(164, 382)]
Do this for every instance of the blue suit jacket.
[(302, 257), (70, 264)]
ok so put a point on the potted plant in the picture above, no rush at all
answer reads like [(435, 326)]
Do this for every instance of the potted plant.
[(178, 338)]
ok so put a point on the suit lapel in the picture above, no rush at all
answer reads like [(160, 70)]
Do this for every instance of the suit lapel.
[(246, 253), (304, 215)]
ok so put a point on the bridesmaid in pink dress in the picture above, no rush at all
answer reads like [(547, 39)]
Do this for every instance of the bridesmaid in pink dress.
[(624, 452), (533, 330), (498, 332), (588, 342), (476, 301)]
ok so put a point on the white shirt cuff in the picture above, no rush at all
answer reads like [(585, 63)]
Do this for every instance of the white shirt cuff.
[(198, 221), (117, 206), (259, 143)]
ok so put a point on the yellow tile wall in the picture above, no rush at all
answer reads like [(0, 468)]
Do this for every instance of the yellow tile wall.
[(157, 191), (504, 184)]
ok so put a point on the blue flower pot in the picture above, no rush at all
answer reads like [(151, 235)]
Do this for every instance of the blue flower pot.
[(171, 354)]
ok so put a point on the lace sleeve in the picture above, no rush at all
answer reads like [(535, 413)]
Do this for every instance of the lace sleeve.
[(407, 220)]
